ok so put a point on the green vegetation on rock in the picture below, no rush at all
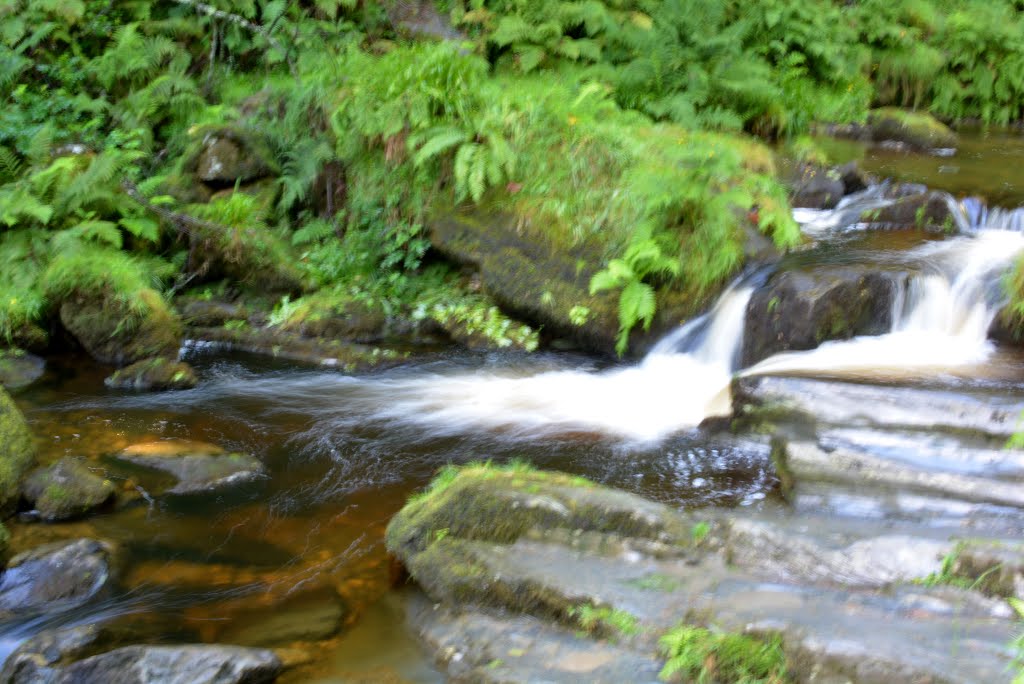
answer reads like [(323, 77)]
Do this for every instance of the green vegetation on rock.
[(294, 148), (17, 452), (705, 656)]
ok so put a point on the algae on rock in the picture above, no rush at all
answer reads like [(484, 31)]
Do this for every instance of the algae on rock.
[(17, 452)]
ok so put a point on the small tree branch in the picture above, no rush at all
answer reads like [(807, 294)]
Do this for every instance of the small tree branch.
[(190, 225), (212, 11)]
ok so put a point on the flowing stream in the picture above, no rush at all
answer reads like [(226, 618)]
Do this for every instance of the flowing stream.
[(344, 452)]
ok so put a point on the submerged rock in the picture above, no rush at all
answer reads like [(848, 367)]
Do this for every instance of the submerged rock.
[(306, 616), (99, 323), (67, 489), (17, 453), (800, 309), (918, 130), (193, 664), (55, 577), (197, 466), (19, 369), (153, 374)]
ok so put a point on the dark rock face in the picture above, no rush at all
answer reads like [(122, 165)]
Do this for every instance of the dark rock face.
[(934, 211), (98, 323), (199, 664), (198, 467), (67, 489), (153, 374), (17, 452), (815, 187), (854, 180), (540, 283), (55, 577), (19, 369), (798, 310)]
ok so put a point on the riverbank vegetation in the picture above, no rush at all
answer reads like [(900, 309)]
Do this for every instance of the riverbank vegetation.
[(298, 149)]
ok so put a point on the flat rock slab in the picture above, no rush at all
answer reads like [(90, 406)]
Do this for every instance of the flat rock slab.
[(199, 467), (198, 664), (807, 461), (477, 647), (55, 577), (851, 404)]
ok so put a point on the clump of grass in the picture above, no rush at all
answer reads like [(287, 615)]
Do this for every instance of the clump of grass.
[(705, 656), (606, 620)]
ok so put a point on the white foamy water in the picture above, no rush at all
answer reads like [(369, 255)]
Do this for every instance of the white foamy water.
[(668, 391), (941, 321)]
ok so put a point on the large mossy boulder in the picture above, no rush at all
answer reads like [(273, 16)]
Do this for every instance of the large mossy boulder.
[(17, 452), (120, 333), (801, 308), (916, 129), (442, 535), (546, 284)]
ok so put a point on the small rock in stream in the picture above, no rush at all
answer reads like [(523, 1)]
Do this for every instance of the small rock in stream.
[(199, 467), (67, 489), (20, 369), (55, 577)]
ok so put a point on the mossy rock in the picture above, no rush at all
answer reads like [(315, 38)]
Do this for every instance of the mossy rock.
[(223, 155), (17, 452), (120, 333), (65, 490), (933, 211), (19, 369), (916, 129), (153, 374), (440, 534), (537, 281)]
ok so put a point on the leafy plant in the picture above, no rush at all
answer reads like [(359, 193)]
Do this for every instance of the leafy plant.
[(706, 656)]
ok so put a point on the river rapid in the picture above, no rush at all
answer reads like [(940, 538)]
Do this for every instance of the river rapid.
[(344, 452)]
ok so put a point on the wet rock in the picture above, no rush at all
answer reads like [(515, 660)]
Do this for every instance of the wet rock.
[(853, 178), (851, 404), (540, 283), (993, 566), (99, 323), (511, 560), (153, 374), (815, 187), (33, 661), (337, 319), (55, 577), (19, 369), (17, 452), (346, 356), (67, 489), (307, 616), (201, 313), (800, 309), (476, 647), (227, 155), (198, 664), (917, 130), (806, 461), (197, 466), (933, 211)]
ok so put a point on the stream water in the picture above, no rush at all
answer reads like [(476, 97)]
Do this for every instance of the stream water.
[(344, 452)]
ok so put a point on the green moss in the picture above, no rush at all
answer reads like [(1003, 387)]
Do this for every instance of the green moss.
[(605, 621), (17, 452), (703, 655)]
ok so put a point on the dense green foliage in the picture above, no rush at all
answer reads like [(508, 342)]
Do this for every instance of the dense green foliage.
[(706, 656), (620, 124)]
